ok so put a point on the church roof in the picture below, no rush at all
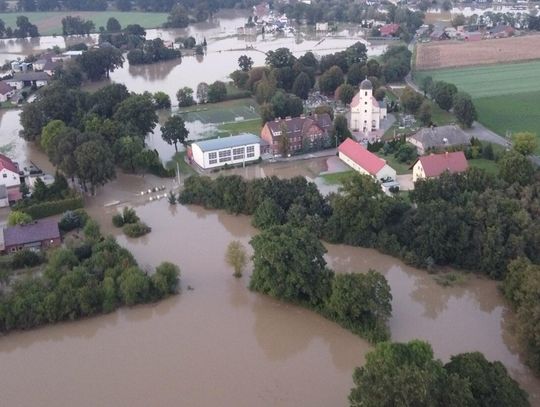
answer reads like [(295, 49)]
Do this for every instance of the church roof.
[(366, 84)]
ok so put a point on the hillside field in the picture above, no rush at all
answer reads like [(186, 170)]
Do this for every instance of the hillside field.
[(50, 23), (506, 96)]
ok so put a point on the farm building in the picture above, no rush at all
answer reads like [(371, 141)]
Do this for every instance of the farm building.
[(366, 111), (439, 138), (302, 132), (232, 150), (365, 162), (22, 79), (389, 30), (6, 91), (433, 165), (37, 235)]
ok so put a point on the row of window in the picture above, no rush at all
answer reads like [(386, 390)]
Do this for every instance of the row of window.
[(225, 155)]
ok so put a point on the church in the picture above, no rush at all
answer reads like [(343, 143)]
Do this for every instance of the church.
[(366, 111)]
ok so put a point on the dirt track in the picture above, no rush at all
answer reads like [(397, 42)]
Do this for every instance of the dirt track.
[(447, 54)]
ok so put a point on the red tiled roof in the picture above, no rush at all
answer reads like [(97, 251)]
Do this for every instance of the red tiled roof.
[(364, 158), (6, 163), (298, 126), (435, 164), (389, 29)]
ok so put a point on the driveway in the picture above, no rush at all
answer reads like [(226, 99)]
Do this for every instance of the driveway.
[(405, 182)]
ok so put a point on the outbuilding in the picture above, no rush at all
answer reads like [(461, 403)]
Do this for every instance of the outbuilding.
[(365, 162), (232, 150), (433, 165), (38, 235)]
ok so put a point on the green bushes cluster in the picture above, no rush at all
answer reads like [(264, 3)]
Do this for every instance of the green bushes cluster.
[(26, 258), (137, 229), (96, 277), (127, 216), (73, 220), (50, 208)]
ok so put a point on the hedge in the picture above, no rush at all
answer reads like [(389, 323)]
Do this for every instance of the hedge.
[(49, 208)]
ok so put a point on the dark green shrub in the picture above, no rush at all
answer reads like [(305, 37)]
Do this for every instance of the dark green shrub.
[(50, 208), (26, 258), (118, 220), (136, 229), (72, 220)]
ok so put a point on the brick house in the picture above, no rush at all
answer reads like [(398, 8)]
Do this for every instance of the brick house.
[(304, 133), (38, 235)]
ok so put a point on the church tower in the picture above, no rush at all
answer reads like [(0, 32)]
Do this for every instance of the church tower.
[(365, 107)]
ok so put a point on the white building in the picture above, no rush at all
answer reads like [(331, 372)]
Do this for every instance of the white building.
[(365, 162), (366, 111), (232, 150)]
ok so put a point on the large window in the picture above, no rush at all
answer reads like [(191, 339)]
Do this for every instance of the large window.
[(250, 151), (212, 158), (238, 153), (224, 156)]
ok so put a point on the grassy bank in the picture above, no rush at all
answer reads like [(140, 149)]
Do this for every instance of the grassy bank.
[(223, 112), (50, 23)]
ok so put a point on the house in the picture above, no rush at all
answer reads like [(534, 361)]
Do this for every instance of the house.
[(321, 27), (9, 173), (22, 79), (366, 111), (501, 31), (43, 59), (439, 138), (6, 91), (225, 150), (261, 10), (38, 235), (304, 132), (50, 67), (4, 201), (433, 165), (389, 30), (365, 162), (438, 34)]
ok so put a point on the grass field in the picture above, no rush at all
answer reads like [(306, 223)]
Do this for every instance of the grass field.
[(50, 23), (336, 178), (223, 112), (506, 96), (489, 166), (401, 168), (247, 126)]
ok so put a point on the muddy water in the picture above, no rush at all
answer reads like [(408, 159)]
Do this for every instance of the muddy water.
[(220, 344)]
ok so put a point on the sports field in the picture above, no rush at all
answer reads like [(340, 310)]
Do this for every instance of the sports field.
[(224, 112), (506, 96), (49, 23)]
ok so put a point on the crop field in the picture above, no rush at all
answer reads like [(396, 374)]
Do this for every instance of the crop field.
[(506, 96), (447, 54), (224, 112), (50, 23)]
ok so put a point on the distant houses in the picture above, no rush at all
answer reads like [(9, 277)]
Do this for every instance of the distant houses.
[(29, 78), (215, 153), (303, 132), (365, 162), (38, 235), (439, 138), (433, 165)]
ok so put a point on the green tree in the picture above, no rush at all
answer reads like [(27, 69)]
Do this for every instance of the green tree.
[(267, 113), (236, 257), (185, 97), (174, 131), (202, 92), (331, 79), (134, 286), (515, 167), (443, 93), (426, 84), (162, 100), (18, 218), (289, 264), (356, 74), (464, 109), (178, 18), (217, 92), (98, 63), (340, 129), (166, 279), (424, 113), (245, 63), (113, 25), (280, 58), (345, 93), (302, 86), (95, 164), (410, 100), (138, 114), (50, 131), (489, 382), (524, 143), (362, 302), (268, 214), (91, 231)]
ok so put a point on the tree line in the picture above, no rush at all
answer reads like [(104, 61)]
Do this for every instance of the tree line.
[(24, 28), (88, 276)]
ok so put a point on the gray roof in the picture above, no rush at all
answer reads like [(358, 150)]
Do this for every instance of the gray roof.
[(228, 142), (36, 231), (441, 136), (366, 84), (29, 76)]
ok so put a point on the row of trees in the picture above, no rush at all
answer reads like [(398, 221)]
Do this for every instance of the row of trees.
[(213, 93), (24, 28), (152, 51), (89, 276), (407, 374), (77, 26)]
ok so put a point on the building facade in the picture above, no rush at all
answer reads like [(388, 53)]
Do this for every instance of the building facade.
[(303, 133), (232, 150), (365, 162), (433, 165), (439, 138), (366, 111), (38, 235)]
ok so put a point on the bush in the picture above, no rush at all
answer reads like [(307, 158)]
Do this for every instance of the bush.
[(136, 229), (127, 216), (118, 220), (26, 258), (72, 220), (50, 208), (18, 218)]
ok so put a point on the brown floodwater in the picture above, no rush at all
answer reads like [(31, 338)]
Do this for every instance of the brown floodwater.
[(217, 343)]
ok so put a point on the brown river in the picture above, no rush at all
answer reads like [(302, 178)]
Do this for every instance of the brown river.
[(217, 343)]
